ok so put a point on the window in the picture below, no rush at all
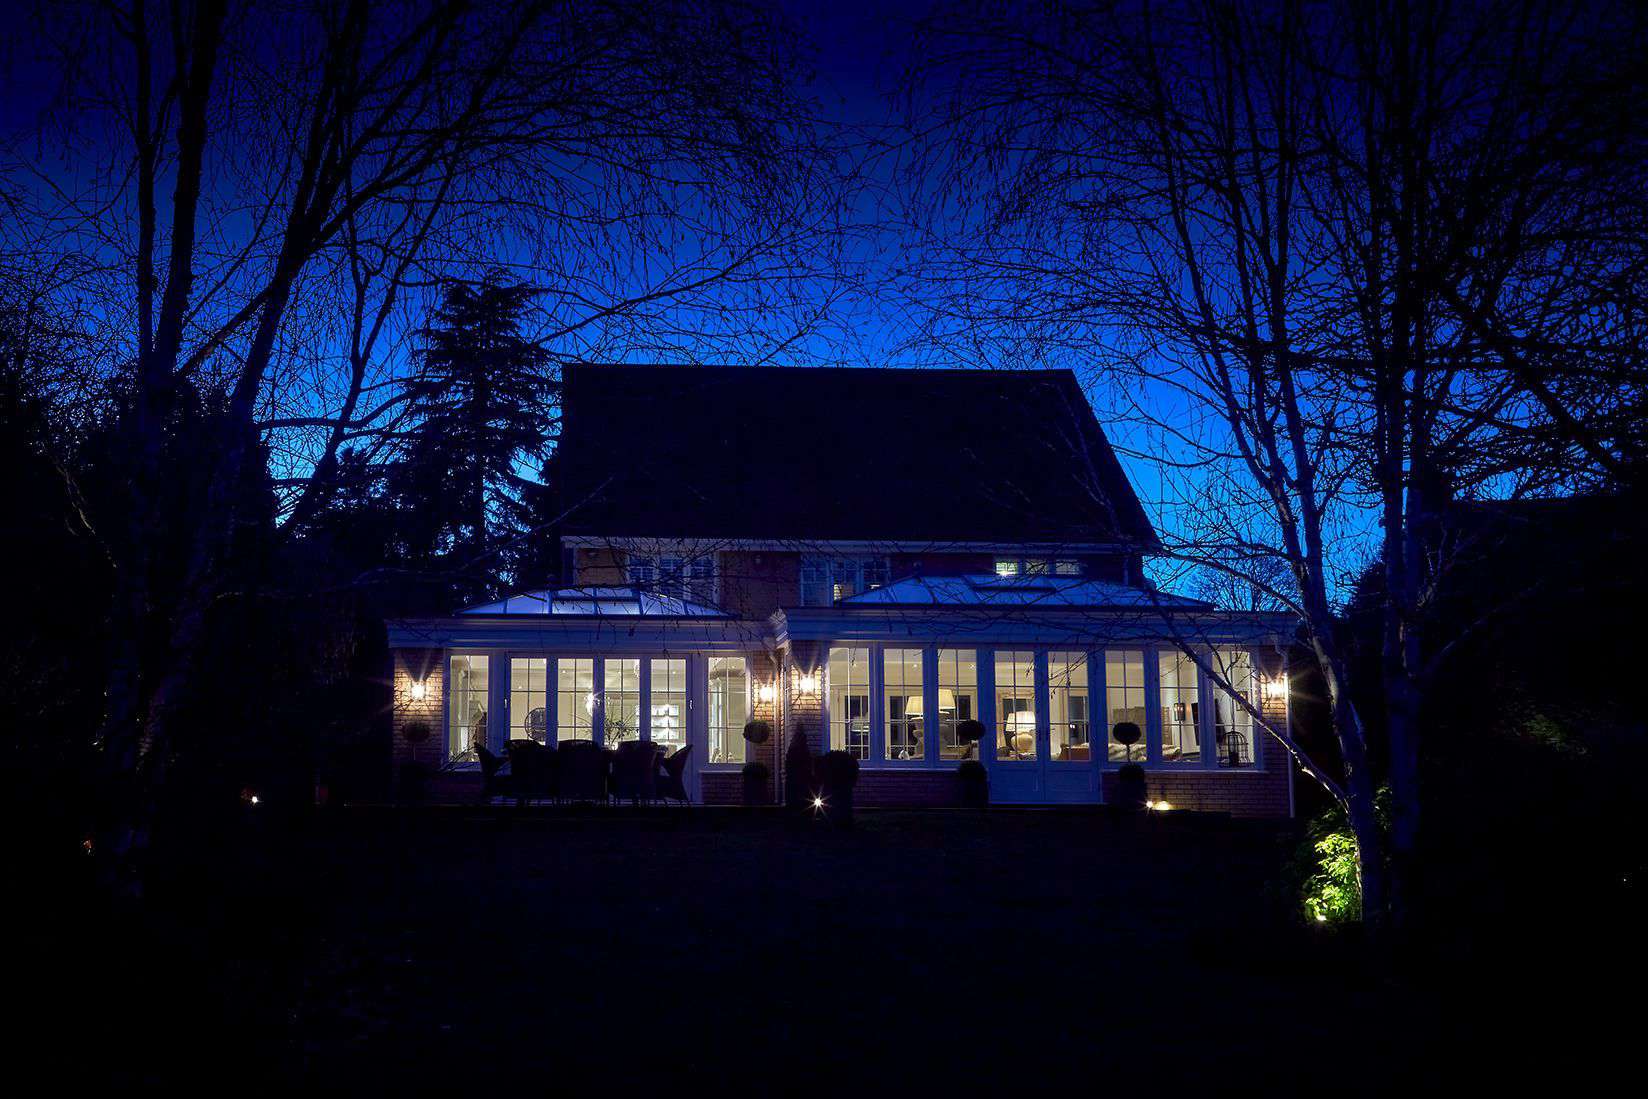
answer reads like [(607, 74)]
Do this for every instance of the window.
[(466, 708), (1067, 706), (621, 700), (674, 575), (1233, 742), (729, 708), (528, 699), (574, 698), (902, 695), (1015, 705), (668, 706), (1181, 709), (1124, 699), (957, 700), (850, 701), (1038, 566), (826, 579)]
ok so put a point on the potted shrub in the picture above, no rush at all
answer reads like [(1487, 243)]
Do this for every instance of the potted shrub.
[(840, 774), (1130, 788), (756, 775), (975, 784), (1126, 734), (798, 772), (757, 731)]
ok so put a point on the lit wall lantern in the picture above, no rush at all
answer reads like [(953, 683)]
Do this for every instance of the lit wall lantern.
[(418, 691), (806, 683), (766, 693), (1276, 689)]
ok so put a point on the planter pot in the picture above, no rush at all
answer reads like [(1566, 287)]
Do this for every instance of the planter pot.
[(1130, 788), (755, 786), (840, 774)]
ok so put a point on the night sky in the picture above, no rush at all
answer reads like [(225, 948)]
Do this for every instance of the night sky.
[(857, 55)]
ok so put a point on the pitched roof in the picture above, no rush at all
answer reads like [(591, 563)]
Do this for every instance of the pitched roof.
[(840, 454)]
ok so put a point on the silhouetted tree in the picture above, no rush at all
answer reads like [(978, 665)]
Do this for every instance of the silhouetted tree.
[(266, 187), (481, 406), (1371, 258)]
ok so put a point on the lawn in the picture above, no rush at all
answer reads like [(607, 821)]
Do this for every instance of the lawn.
[(993, 950)]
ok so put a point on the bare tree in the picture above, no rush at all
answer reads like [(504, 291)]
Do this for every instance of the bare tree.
[(1359, 261), (259, 199)]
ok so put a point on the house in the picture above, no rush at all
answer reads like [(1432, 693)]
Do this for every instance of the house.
[(875, 557)]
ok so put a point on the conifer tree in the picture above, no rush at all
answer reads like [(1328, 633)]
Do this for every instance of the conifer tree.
[(482, 406)]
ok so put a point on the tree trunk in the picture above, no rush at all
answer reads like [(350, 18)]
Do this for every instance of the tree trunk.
[(1361, 806)]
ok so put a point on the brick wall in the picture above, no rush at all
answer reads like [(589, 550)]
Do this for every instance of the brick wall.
[(942, 564), (899, 787), (598, 567), (406, 667), (1241, 793), (753, 585)]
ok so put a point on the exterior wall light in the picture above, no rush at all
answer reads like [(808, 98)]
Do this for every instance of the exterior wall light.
[(418, 691), (807, 683), (766, 693), (1276, 689)]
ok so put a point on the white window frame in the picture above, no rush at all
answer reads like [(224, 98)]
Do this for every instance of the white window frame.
[(494, 712), (749, 707), (1014, 567), (859, 572), (694, 578)]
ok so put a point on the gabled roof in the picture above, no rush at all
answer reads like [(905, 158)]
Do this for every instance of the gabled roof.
[(1022, 592), (817, 454), (595, 602)]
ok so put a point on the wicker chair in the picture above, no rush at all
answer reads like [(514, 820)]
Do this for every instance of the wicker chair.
[(635, 771), (672, 783), (494, 784), (581, 771), (533, 768)]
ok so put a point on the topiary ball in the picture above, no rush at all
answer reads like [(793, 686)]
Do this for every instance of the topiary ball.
[(840, 770), (970, 731), (757, 732), (1126, 733)]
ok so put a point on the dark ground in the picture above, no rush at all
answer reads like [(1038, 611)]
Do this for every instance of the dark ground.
[(973, 951)]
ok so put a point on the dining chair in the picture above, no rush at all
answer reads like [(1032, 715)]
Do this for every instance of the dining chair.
[(672, 783)]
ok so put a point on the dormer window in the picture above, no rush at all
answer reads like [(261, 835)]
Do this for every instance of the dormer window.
[(1038, 566), (826, 579)]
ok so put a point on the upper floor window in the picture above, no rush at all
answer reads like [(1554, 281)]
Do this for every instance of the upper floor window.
[(1038, 566), (674, 575), (826, 579)]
